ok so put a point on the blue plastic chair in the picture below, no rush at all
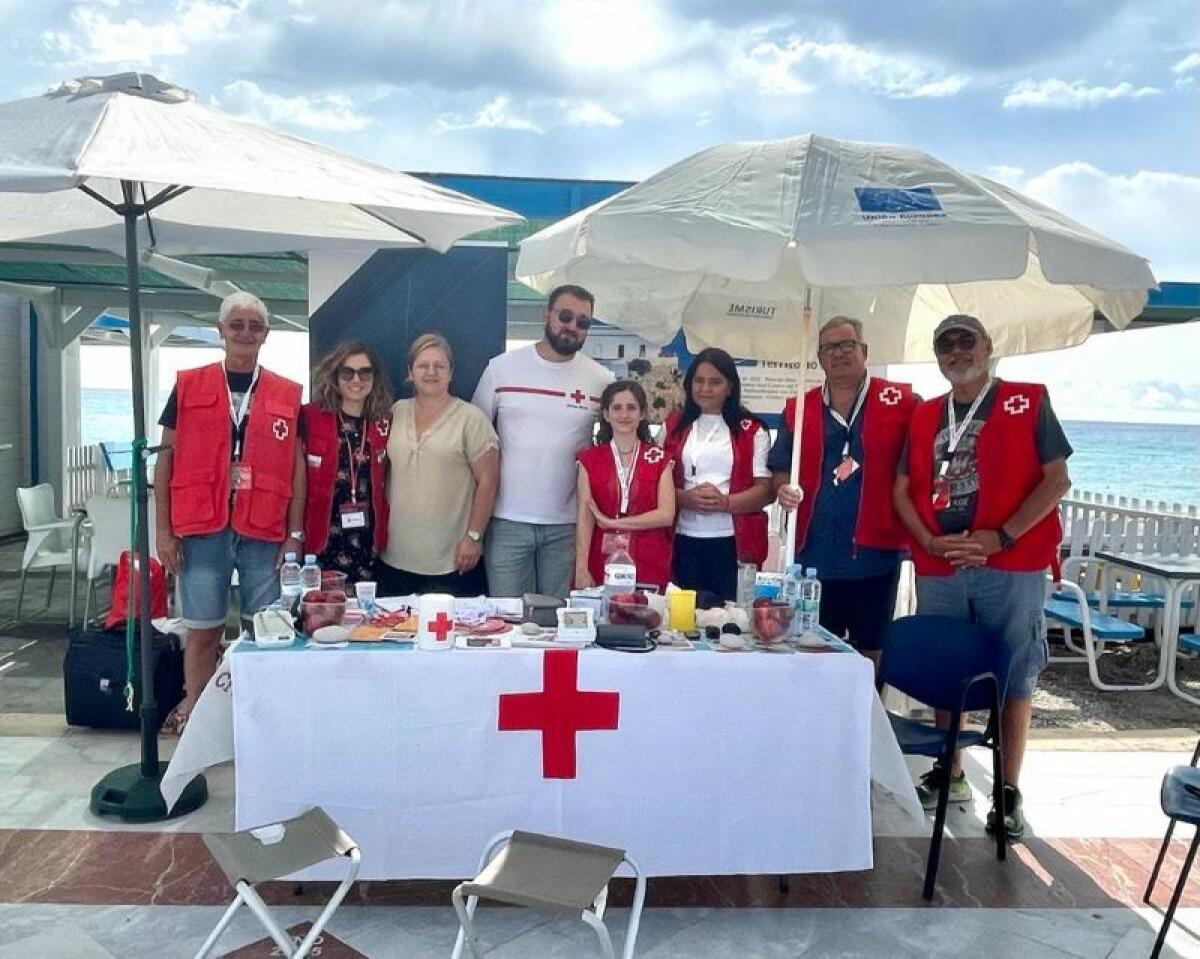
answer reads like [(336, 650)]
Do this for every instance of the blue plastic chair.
[(959, 667), (1180, 800)]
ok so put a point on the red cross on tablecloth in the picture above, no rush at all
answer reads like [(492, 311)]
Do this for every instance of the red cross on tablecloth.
[(440, 625), (559, 711)]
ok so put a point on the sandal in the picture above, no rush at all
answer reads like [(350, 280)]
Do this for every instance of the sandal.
[(176, 721)]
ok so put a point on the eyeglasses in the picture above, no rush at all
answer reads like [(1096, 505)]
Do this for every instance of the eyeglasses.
[(581, 320), (953, 340), (257, 327), (841, 348), (363, 373)]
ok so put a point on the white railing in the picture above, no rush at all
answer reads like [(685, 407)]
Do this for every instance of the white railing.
[(83, 471)]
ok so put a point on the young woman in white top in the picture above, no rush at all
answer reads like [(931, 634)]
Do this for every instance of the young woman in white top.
[(720, 452)]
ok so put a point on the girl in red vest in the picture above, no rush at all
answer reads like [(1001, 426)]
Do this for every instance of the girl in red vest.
[(345, 443), (720, 453), (625, 485)]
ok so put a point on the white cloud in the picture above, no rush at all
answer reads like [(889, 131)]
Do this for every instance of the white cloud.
[(589, 114), (96, 38), (1072, 95), (801, 66), (332, 112), (1188, 64), (1009, 175), (1152, 212), (495, 115)]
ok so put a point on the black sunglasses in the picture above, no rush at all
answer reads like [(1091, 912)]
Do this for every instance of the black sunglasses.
[(581, 320), (364, 373), (950, 341), (257, 327)]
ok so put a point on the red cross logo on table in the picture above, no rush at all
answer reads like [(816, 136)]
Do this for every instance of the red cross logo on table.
[(1015, 405), (559, 711), (441, 625), (578, 396), (280, 429), (890, 395)]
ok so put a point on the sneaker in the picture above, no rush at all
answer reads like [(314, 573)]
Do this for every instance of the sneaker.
[(932, 781), (1014, 818)]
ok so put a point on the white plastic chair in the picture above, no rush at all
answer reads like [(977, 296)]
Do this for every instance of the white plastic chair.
[(547, 872), (50, 540)]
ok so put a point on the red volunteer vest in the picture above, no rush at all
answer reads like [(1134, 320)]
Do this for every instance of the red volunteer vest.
[(749, 529), (1009, 469), (200, 462), (885, 416), (650, 548), (322, 442)]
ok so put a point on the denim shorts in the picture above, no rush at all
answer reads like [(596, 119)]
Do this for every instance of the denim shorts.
[(1010, 603), (208, 565)]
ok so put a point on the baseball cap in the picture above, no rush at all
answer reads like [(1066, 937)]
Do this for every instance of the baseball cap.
[(961, 321)]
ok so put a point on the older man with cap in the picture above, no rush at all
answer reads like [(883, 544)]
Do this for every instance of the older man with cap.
[(846, 529), (978, 489)]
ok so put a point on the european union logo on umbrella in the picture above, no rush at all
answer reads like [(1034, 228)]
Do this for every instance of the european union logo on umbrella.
[(877, 199)]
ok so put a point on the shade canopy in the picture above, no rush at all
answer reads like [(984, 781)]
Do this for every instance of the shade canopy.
[(729, 243)]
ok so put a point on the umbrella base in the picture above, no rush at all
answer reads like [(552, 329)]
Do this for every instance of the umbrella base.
[(132, 797)]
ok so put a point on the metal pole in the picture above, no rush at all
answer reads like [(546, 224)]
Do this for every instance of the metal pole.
[(149, 707)]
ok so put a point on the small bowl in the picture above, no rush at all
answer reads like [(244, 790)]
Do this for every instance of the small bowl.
[(772, 620), (624, 610), (325, 609), (332, 579)]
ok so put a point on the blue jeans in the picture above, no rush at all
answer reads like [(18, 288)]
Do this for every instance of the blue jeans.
[(208, 565), (530, 558), (1009, 603)]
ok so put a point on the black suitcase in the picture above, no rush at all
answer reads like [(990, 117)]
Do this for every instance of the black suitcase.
[(94, 678)]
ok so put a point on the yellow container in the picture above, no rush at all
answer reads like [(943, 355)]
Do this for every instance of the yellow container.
[(682, 606)]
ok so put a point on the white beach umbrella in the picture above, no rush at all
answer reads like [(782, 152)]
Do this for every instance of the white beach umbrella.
[(745, 245), (127, 162)]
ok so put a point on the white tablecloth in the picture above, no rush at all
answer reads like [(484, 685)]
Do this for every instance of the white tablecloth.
[(721, 763)]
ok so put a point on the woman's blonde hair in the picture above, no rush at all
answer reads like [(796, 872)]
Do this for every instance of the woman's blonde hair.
[(427, 341), (325, 381)]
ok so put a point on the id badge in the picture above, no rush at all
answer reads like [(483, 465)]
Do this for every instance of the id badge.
[(941, 494), (240, 477), (844, 470), (353, 515)]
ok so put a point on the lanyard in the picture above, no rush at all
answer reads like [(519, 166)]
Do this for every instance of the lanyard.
[(625, 476), (841, 420), (353, 461), (700, 445), (238, 413), (954, 431)]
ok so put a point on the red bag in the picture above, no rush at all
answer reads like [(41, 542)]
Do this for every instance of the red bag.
[(126, 573)]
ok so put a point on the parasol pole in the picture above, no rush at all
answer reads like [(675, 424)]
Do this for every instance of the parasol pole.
[(789, 542)]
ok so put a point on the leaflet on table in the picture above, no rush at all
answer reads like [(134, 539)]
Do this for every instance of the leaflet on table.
[(471, 609)]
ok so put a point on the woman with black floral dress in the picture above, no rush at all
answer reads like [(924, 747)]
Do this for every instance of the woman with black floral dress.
[(346, 430)]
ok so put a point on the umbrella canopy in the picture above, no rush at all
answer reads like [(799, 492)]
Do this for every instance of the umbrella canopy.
[(730, 243), (250, 189)]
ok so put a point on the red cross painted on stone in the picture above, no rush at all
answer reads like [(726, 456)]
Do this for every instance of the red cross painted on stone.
[(559, 711), (440, 625), (578, 396)]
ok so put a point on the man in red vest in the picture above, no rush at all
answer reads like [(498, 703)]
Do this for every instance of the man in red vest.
[(986, 465), (229, 488), (853, 432)]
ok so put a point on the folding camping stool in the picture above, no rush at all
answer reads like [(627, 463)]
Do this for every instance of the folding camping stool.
[(272, 852), (546, 872)]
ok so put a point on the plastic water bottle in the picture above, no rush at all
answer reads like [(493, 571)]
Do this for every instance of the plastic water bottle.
[(289, 579), (620, 575), (810, 601), (310, 575), (790, 593)]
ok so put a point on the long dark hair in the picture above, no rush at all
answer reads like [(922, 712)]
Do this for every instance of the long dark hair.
[(605, 434), (732, 412), (325, 381)]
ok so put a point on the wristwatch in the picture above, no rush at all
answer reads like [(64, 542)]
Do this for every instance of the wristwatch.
[(1006, 541), (297, 535), (474, 535)]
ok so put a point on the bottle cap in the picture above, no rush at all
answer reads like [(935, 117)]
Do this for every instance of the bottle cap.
[(310, 559), (811, 572), (289, 557)]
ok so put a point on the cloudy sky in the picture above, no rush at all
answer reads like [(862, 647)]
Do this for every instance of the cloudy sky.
[(1092, 106)]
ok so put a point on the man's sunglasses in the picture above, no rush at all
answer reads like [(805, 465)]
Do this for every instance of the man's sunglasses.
[(257, 327), (348, 373), (841, 348), (949, 342), (581, 320)]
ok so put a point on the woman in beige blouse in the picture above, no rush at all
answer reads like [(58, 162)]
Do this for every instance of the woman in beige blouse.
[(445, 466)]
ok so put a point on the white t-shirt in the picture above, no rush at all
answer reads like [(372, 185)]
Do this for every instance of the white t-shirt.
[(710, 451), (545, 413)]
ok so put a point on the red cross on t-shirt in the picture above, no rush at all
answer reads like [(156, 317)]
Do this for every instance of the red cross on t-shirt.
[(559, 711), (579, 396)]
